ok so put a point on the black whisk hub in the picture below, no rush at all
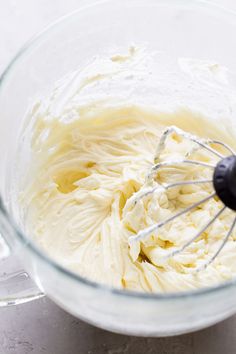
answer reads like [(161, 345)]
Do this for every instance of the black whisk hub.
[(224, 181)]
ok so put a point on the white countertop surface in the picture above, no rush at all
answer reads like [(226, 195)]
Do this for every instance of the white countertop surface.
[(41, 326)]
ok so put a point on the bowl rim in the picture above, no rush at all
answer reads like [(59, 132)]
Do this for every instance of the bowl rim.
[(27, 241)]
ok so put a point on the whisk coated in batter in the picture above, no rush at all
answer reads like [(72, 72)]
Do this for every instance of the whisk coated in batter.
[(223, 182)]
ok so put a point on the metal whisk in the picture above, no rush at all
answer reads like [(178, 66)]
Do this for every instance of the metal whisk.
[(223, 182)]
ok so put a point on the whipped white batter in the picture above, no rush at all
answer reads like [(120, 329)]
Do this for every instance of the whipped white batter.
[(78, 202)]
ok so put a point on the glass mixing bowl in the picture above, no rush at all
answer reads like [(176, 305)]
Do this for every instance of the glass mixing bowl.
[(177, 29)]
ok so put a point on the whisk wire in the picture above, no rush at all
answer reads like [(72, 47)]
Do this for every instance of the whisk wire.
[(199, 233), (171, 185), (203, 144), (186, 183), (226, 146), (205, 265), (159, 165), (146, 232)]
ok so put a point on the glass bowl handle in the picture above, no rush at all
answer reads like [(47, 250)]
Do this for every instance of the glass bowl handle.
[(16, 287)]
